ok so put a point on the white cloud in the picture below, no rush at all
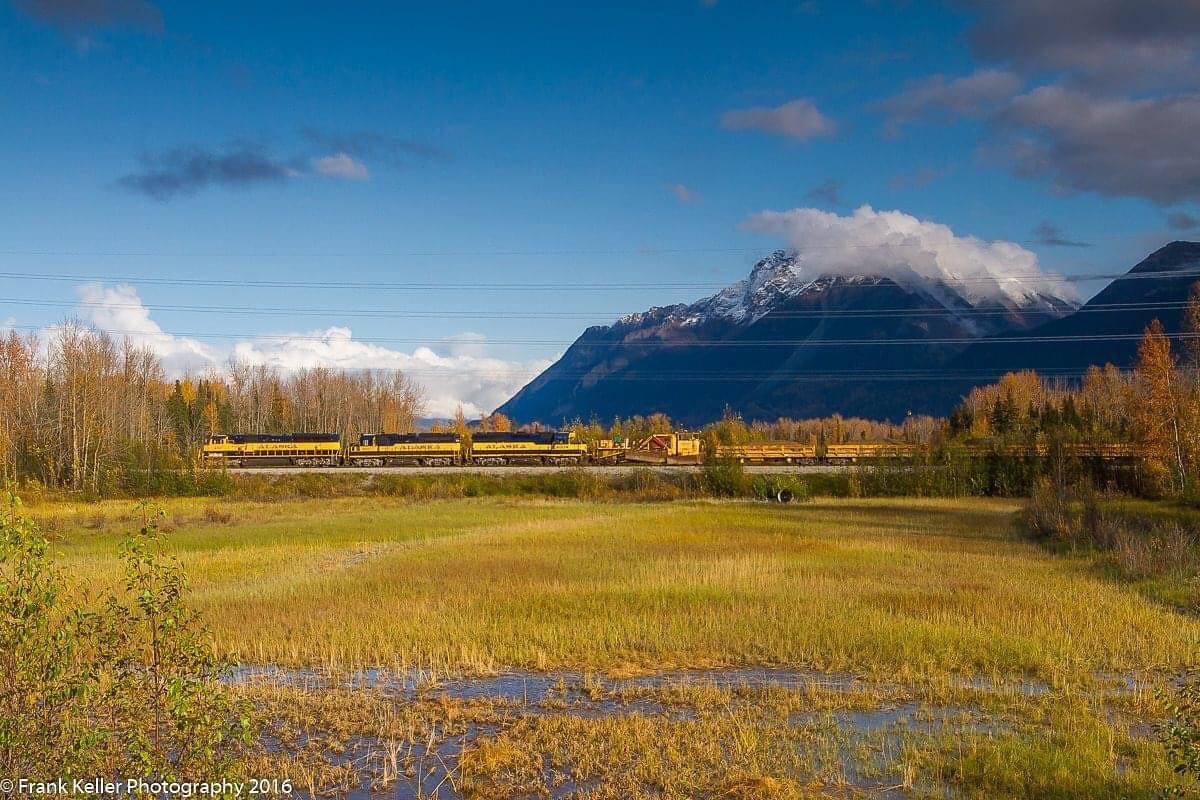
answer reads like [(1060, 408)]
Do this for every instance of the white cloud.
[(343, 166), (456, 371), (908, 250), (119, 309), (461, 375), (797, 119)]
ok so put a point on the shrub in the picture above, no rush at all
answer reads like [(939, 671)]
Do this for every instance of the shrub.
[(648, 484), (726, 478), (1180, 734), (780, 488), (125, 687), (1137, 545)]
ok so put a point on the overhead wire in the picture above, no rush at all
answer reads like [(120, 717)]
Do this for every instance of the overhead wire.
[(502, 314), (1015, 279), (733, 343)]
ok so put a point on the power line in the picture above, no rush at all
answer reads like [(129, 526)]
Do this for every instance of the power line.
[(488, 314), (795, 343), (645, 250), (988, 281)]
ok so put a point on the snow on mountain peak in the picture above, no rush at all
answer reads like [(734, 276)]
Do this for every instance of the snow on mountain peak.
[(874, 247), (912, 252)]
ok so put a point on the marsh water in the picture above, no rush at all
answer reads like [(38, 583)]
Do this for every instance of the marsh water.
[(432, 765)]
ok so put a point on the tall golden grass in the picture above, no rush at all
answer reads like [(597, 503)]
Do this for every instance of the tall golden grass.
[(910, 589)]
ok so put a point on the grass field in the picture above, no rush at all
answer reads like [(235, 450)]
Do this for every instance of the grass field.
[(972, 662), (911, 587)]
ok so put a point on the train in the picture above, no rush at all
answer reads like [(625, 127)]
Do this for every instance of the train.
[(877, 452), (558, 448), (562, 448)]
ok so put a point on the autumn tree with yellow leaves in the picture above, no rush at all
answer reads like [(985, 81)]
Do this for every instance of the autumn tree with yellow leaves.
[(81, 409)]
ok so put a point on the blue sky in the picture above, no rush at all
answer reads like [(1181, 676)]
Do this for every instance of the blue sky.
[(619, 143)]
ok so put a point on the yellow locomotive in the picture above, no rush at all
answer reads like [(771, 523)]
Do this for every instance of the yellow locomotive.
[(549, 447), (294, 449), (405, 449)]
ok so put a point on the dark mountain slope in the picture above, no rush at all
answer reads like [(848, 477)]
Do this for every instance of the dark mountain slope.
[(776, 344), (1123, 308)]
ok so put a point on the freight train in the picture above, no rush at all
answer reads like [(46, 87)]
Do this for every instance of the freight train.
[(394, 449), (561, 448)]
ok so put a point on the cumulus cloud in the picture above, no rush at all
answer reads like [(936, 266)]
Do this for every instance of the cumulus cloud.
[(911, 251), (120, 310), (970, 95), (459, 375), (684, 193), (456, 371), (1111, 43), (77, 16), (1182, 221), (798, 119), (1112, 146), (341, 165), (186, 170), (1050, 235)]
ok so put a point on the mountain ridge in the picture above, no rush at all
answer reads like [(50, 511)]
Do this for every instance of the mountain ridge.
[(753, 344), (1122, 308)]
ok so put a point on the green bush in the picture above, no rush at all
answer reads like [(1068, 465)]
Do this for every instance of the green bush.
[(127, 686), (780, 488), (1180, 733), (1136, 544), (726, 478)]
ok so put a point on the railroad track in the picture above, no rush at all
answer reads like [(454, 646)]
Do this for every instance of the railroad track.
[(619, 469)]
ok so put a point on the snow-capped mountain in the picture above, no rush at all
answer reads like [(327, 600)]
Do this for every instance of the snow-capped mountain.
[(782, 276), (785, 341)]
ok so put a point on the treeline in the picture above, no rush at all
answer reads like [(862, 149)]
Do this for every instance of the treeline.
[(1153, 409), (83, 411)]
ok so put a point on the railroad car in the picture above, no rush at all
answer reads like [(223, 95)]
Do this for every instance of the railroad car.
[(609, 451), (405, 449), (852, 453), (295, 449), (769, 452), (550, 447), (1100, 452), (667, 448)]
